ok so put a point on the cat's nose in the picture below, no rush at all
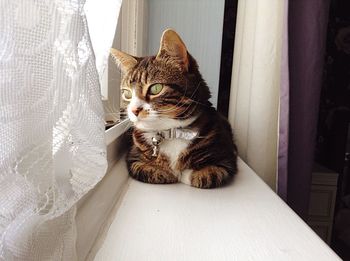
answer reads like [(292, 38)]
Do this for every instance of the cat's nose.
[(136, 110)]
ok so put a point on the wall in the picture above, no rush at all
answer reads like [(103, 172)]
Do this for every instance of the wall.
[(199, 23)]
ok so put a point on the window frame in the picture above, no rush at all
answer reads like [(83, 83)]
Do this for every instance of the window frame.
[(130, 37)]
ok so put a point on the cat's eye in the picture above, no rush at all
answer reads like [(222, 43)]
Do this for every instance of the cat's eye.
[(155, 89), (126, 94)]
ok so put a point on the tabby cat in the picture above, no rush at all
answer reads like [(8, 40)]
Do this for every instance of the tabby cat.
[(177, 134)]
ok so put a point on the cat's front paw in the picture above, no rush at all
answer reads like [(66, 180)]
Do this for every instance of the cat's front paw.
[(150, 174), (209, 177)]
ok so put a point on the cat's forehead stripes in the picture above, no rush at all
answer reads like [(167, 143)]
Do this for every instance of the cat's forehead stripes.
[(142, 70), (150, 70), (139, 89)]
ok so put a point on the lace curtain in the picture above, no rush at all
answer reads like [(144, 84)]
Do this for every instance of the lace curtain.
[(52, 148)]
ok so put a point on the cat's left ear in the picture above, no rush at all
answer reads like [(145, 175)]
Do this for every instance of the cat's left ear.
[(172, 45), (124, 61)]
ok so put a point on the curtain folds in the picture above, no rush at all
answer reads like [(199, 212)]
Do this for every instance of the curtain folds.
[(255, 85), (283, 134), (307, 40), (275, 90), (52, 149)]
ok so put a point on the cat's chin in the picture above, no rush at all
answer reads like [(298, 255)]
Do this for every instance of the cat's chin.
[(162, 124)]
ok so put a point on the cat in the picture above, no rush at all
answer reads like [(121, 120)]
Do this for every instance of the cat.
[(177, 133)]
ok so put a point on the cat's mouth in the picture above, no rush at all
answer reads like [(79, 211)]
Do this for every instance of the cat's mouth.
[(147, 123), (148, 119), (144, 121)]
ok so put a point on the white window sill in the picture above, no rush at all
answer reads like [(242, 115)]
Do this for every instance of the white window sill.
[(116, 131), (94, 209), (245, 220)]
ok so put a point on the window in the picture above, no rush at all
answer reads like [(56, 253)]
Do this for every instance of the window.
[(131, 37)]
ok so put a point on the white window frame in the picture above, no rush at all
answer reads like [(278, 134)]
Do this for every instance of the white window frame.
[(94, 209), (131, 37)]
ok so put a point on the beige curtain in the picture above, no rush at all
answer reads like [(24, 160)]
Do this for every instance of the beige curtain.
[(256, 74)]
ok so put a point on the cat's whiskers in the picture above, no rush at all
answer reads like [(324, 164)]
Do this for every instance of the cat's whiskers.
[(188, 106), (186, 116), (175, 107), (177, 117), (171, 109), (190, 98)]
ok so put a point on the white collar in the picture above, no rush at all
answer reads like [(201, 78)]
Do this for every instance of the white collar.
[(177, 133), (174, 133)]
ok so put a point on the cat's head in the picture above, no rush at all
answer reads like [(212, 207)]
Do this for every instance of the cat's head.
[(165, 91)]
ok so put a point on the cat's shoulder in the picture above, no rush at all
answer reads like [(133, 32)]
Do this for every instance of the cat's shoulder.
[(212, 114)]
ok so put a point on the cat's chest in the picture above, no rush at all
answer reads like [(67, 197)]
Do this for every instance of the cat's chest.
[(172, 148)]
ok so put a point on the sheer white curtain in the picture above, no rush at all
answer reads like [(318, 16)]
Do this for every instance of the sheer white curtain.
[(255, 85), (52, 148)]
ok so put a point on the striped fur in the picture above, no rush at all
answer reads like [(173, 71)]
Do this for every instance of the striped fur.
[(208, 160)]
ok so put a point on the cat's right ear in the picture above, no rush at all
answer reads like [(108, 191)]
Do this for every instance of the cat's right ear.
[(124, 61), (172, 45)]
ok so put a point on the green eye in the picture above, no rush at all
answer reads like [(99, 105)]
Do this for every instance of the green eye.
[(155, 89), (126, 94)]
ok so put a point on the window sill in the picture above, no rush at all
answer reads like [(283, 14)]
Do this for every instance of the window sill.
[(245, 220), (116, 131), (94, 208)]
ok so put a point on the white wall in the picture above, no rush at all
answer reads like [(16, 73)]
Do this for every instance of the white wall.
[(199, 23)]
